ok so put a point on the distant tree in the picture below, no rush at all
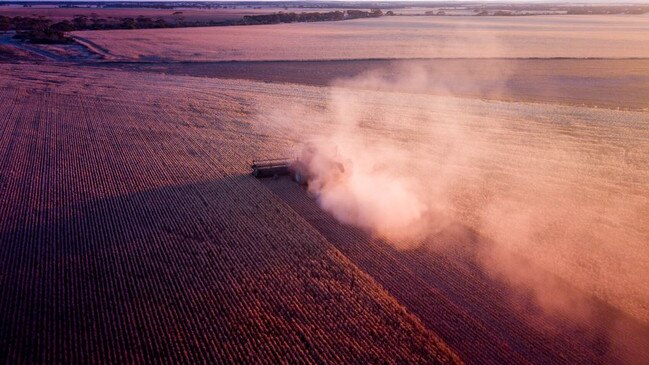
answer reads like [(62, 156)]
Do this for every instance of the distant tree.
[(128, 23), (160, 23), (80, 21), (63, 26), (43, 36), (354, 14), (6, 23), (178, 17)]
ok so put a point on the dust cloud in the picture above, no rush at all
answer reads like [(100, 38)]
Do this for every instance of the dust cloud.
[(352, 182), (546, 189)]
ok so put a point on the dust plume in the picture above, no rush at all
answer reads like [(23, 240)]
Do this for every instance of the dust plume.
[(547, 189), (358, 185)]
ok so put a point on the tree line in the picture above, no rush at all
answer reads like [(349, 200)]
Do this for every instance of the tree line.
[(43, 30), (282, 17), (609, 9)]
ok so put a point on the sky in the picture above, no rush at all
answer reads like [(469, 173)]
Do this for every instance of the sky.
[(597, 2), (381, 1)]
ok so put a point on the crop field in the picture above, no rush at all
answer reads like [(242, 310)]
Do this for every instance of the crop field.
[(132, 232), (388, 37), (492, 164), (599, 83), (474, 313), (544, 298), (146, 238), (478, 192)]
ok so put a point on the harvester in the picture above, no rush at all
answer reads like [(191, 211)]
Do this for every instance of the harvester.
[(312, 164), (279, 167)]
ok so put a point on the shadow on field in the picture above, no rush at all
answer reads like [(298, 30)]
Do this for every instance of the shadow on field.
[(139, 277), (178, 212), (485, 319)]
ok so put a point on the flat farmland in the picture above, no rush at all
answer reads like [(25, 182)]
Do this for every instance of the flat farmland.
[(388, 37), (599, 83), (478, 192), (132, 231), (532, 179)]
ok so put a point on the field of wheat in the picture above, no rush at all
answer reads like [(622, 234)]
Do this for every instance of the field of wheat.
[(132, 230), (397, 37)]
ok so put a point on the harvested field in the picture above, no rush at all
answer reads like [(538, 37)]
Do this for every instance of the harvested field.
[(603, 83), (486, 164), (388, 37), (528, 205), (478, 316)]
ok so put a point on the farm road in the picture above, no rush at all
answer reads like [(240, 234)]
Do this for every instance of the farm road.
[(39, 52)]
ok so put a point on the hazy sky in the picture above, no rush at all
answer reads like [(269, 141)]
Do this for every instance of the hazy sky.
[(599, 2)]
